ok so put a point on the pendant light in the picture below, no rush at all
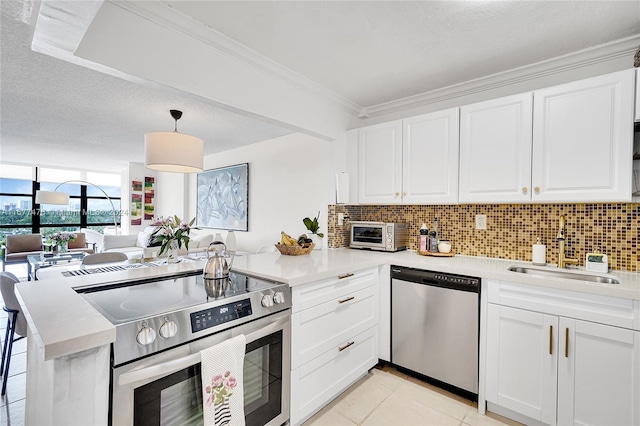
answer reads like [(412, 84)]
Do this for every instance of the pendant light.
[(173, 151)]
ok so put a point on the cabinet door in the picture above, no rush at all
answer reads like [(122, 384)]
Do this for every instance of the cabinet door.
[(582, 140), (430, 158), (380, 164), (495, 150), (522, 361), (598, 374)]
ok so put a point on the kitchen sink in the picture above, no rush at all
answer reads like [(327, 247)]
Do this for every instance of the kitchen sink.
[(572, 275)]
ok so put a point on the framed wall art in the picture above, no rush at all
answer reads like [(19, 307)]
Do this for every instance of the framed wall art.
[(223, 196), (136, 202), (149, 196)]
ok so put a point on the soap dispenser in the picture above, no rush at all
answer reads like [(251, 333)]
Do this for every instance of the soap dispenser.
[(539, 254)]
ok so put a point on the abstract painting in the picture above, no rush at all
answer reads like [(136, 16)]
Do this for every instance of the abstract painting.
[(223, 196), (136, 202), (149, 195)]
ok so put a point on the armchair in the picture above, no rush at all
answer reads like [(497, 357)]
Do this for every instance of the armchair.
[(18, 247), (81, 244)]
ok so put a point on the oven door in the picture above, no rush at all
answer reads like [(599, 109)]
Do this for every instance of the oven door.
[(166, 388), (367, 235)]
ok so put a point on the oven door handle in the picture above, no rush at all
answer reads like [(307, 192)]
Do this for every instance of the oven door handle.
[(181, 363)]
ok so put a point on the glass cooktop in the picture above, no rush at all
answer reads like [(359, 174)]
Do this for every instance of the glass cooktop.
[(142, 300)]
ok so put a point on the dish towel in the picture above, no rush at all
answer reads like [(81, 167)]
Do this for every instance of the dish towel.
[(222, 393)]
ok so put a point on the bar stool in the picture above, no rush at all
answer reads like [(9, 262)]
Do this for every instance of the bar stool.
[(16, 323)]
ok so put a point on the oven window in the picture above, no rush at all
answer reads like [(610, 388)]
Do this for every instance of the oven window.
[(177, 399), (367, 234)]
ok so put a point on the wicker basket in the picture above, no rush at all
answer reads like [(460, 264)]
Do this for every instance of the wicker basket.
[(295, 250)]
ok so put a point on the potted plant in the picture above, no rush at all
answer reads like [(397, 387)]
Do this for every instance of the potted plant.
[(313, 227)]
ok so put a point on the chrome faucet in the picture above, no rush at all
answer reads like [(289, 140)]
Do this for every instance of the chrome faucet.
[(563, 261)]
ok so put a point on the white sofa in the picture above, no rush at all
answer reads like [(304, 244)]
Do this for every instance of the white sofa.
[(136, 246)]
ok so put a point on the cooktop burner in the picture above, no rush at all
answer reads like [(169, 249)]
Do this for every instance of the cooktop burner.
[(151, 316)]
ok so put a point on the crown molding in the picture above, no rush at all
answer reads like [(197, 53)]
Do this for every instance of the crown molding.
[(621, 48), (168, 17)]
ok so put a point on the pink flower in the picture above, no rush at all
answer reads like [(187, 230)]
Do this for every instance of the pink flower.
[(217, 380), (227, 374), (230, 383), (210, 400)]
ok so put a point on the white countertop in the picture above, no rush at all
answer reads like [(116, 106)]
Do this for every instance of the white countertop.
[(65, 323)]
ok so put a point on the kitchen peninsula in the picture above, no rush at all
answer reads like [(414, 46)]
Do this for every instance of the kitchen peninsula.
[(68, 356)]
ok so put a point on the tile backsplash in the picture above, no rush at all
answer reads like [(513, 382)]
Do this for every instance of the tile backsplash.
[(513, 228)]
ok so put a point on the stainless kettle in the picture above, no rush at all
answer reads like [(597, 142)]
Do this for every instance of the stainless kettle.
[(216, 271)]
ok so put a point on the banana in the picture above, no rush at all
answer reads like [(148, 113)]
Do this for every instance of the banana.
[(287, 239)]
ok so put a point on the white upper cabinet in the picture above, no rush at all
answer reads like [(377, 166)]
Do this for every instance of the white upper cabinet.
[(495, 150), (380, 164), (412, 161), (430, 158), (582, 140)]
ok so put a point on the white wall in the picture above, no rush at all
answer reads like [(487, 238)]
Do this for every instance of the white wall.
[(290, 178)]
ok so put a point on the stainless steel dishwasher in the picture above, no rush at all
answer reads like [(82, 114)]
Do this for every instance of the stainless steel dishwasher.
[(435, 327)]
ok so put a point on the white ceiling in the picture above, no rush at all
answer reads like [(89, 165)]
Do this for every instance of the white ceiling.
[(366, 52), (372, 52)]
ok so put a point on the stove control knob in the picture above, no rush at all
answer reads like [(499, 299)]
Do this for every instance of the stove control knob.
[(146, 335), (278, 298), (267, 301), (168, 329)]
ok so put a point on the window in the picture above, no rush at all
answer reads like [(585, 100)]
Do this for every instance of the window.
[(90, 206)]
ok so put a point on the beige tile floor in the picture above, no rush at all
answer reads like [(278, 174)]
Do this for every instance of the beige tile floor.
[(387, 397)]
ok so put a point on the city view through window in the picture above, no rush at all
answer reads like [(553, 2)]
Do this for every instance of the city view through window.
[(88, 206)]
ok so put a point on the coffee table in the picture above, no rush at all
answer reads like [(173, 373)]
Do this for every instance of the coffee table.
[(44, 260)]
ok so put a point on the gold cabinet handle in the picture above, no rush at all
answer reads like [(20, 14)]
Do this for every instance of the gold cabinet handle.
[(404, 194), (341, 277), (536, 189), (524, 189), (342, 348), (550, 340), (397, 194), (566, 343), (346, 300)]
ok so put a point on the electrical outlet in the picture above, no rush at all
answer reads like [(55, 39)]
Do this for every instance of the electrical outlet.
[(340, 219), (481, 221)]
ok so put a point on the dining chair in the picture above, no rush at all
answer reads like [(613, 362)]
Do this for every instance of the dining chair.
[(108, 257), (16, 323)]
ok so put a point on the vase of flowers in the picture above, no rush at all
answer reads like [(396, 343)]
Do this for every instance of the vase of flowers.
[(171, 233), (61, 240)]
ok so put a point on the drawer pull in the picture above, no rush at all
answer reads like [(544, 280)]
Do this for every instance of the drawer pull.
[(346, 300), (550, 340), (342, 348), (341, 277), (566, 343)]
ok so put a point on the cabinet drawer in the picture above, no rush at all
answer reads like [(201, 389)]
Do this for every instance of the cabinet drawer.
[(317, 382), (326, 326), (309, 295), (598, 308)]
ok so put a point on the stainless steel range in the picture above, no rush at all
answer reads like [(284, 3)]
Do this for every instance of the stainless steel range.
[(161, 327)]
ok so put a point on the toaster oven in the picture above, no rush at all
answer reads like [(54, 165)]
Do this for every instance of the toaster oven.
[(379, 236)]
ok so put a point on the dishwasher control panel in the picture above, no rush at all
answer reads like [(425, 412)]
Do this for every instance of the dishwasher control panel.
[(438, 279)]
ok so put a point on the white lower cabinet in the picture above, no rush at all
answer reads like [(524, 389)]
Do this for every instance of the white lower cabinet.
[(334, 338), (560, 370)]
